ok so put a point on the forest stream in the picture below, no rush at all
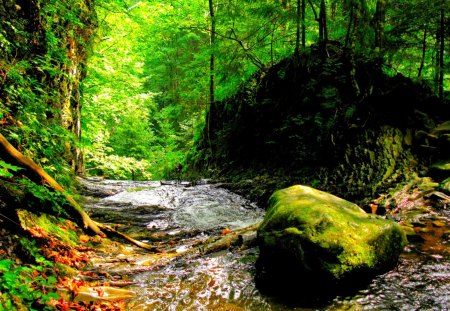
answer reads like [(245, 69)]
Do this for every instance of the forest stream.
[(180, 217)]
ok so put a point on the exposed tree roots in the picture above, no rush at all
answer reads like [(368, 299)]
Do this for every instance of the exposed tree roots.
[(35, 173)]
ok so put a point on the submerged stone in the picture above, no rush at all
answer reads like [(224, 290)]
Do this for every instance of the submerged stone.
[(311, 240), (99, 293)]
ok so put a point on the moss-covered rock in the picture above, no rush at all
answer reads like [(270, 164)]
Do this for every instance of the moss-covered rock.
[(311, 239), (445, 185)]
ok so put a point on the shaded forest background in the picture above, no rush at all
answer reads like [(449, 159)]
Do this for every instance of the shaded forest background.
[(152, 69), (151, 78)]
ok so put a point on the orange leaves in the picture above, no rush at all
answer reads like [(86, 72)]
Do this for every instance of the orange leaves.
[(71, 225), (226, 231), (64, 305), (62, 253), (35, 273), (83, 238), (100, 292), (52, 255), (71, 284), (37, 232), (8, 120), (69, 256)]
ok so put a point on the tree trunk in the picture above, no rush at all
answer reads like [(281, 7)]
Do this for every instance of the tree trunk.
[(442, 51), (297, 33), (303, 24), (39, 176), (323, 30), (349, 27), (380, 16), (211, 68), (424, 50), (351, 40), (212, 59)]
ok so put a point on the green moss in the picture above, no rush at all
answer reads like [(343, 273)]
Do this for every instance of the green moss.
[(249, 258), (49, 225), (341, 235), (65, 271), (445, 185), (442, 166)]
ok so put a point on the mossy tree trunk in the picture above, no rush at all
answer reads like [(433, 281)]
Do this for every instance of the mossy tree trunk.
[(70, 101), (43, 55)]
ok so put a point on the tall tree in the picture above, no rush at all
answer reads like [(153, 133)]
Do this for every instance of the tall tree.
[(379, 21), (424, 51), (441, 50), (323, 29), (212, 57), (303, 23), (300, 24), (211, 65), (297, 30)]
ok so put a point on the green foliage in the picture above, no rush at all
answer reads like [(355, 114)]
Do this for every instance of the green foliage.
[(44, 195), (5, 168), (36, 77), (26, 286), (138, 124), (148, 82), (118, 167)]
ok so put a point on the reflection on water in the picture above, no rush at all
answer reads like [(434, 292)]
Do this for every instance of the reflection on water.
[(220, 282), (417, 283), (224, 280)]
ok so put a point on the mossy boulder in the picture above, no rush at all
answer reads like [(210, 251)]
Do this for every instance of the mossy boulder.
[(311, 240), (445, 186)]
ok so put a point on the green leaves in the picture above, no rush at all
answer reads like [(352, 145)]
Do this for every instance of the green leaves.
[(5, 265), (21, 287), (5, 168), (45, 196)]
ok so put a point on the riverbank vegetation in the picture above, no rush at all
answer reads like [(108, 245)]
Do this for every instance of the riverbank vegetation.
[(348, 96)]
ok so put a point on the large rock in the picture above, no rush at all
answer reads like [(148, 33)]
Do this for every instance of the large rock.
[(311, 241)]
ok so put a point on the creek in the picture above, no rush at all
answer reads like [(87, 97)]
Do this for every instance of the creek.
[(179, 217)]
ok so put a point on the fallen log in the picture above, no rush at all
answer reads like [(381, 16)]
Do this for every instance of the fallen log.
[(114, 232)]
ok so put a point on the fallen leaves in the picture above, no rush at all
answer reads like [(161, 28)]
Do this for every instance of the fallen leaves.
[(61, 253), (64, 305), (226, 231), (83, 238), (100, 292)]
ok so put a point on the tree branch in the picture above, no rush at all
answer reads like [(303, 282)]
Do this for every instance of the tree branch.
[(316, 17)]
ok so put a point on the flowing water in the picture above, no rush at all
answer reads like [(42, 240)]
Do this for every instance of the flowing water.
[(180, 216)]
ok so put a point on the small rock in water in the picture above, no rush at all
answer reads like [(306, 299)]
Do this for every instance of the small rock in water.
[(98, 293), (438, 223)]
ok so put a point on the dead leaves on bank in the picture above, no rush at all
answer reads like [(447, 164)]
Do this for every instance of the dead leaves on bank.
[(64, 305), (85, 296), (77, 256)]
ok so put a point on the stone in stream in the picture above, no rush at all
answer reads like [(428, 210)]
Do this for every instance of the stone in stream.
[(445, 186), (312, 242)]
